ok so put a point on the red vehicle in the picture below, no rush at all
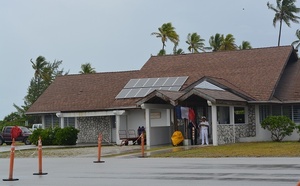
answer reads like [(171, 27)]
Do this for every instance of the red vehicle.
[(6, 135)]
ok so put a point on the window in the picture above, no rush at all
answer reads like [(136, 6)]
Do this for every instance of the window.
[(223, 115), (239, 115), (291, 111), (51, 121), (287, 111), (69, 122), (296, 113), (264, 111), (276, 110)]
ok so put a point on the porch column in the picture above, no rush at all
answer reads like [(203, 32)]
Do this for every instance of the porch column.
[(76, 123), (257, 122), (62, 124), (168, 113), (148, 126), (231, 118), (118, 120), (43, 122), (169, 120), (214, 124)]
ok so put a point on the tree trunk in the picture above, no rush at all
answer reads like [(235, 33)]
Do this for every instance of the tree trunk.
[(279, 32)]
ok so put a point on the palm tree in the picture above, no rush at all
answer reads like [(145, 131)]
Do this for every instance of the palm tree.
[(162, 52), (215, 41), (38, 66), (228, 43), (297, 42), (39, 70), (245, 45), (284, 11), (87, 69), (177, 51), (195, 43), (166, 31)]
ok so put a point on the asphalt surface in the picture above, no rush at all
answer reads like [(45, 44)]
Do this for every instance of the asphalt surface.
[(135, 170)]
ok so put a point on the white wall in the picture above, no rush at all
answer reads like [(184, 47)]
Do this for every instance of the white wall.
[(162, 121), (136, 118), (160, 136), (123, 122)]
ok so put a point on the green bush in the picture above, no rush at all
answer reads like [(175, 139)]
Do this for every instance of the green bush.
[(56, 136), (66, 136), (279, 126), (47, 136)]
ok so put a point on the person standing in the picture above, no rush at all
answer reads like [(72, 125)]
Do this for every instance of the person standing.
[(204, 130), (15, 132)]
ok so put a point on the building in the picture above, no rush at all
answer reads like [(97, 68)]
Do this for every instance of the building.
[(235, 90)]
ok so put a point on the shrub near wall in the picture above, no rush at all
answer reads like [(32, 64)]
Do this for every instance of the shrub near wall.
[(56, 136), (279, 126)]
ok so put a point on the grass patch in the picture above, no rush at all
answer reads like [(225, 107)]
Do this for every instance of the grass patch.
[(256, 149)]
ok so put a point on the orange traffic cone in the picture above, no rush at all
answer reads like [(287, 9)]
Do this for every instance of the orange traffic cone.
[(11, 163), (40, 158), (99, 148)]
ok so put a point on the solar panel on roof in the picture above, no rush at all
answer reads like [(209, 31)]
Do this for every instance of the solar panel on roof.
[(170, 81), (150, 82), (144, 86), (131, 83), (132, 93), (175, 88), (123, 93), (160, 82), (143, 92), (180, 81), (141, 83)]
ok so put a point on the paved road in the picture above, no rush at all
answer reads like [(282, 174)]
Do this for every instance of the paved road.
[(134, 170)]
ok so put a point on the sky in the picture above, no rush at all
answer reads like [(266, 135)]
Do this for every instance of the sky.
[(115, 35)]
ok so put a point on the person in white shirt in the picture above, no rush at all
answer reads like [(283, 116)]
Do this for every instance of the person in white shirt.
[(203, 125)]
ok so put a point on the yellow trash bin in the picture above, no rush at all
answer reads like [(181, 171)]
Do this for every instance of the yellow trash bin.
[(177, 138)]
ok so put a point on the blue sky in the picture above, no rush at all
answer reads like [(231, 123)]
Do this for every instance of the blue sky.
[(115, 35)]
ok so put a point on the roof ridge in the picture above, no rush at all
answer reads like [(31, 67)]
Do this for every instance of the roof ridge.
[(222, 51), (126, 71)]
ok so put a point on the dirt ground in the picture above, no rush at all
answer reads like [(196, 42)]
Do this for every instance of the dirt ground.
[(73, 151)]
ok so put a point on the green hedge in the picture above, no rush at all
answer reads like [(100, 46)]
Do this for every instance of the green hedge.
[(55, 136)]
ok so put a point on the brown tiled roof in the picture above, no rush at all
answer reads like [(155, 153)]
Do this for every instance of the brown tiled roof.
[(84, 92), (254, 71), (289, 85)]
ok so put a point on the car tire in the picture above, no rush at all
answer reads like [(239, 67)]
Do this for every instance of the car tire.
[(1, 141), (27, 142)]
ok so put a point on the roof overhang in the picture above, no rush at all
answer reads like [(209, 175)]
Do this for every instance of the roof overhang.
[(274, 102), (156, 106), (164, 95), (197, 93), (90, 114)]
